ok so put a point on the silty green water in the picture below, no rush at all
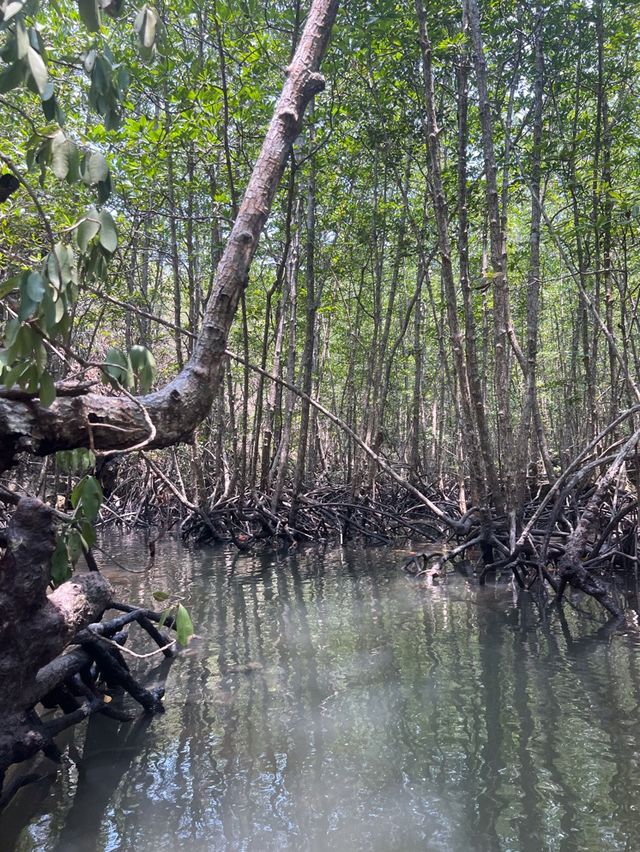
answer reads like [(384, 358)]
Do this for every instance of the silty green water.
[(384, 716)]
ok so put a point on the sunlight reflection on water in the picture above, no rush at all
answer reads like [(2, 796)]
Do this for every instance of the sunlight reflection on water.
[(382, 716)]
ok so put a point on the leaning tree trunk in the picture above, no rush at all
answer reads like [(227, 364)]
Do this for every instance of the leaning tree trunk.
[(120, 423)]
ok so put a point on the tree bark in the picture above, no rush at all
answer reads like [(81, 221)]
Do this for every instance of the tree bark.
[(474, 458), (498, 271), (533, 290), (36, 627), (476, 394), (118, 423), (312, 304)]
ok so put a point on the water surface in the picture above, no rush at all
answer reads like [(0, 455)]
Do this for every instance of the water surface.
[(384, 716)]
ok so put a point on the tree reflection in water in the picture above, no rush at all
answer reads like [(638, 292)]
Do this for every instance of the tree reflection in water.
[(375, 715)]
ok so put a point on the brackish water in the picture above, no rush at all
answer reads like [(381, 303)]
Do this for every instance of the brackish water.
[(384, 716)]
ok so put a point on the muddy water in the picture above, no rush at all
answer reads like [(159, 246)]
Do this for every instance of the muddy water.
[(375, 715)]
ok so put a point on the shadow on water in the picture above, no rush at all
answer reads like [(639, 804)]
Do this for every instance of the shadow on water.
[(330, 704)]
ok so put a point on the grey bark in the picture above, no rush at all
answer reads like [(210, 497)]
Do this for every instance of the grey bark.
[(497, 253)]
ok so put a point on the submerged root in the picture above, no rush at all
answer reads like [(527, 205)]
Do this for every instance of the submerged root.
[(533, 544), (57, 652), (577, 536)]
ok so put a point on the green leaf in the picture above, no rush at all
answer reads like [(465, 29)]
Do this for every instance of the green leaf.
[(12, 9), (61, 149), (24, 340), (87, 229), (50, 109), (74, 545), (101, 77), (22, 40), (43, 158), (76, 494), (40, 356), (108, 233), (35, 40), (96, 168), (89, 60), (146, 25), (11, 77), (63, 460), (88, 533), (13, 376), (104, 190), (161, 596), (47, 391), (117, 368), (90, 14), (73, 175), (144, 366), (87, 496), (35, 287), (74, 461), (53, 272), (11, 330), (28, 305), (60, 566), (11, 284), (52, 311), (38, 69), (184, 625), (64, 266), (122, 82)]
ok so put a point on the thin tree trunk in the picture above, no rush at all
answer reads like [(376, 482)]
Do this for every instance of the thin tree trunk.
[(312, 304), (533, 291), (258, 418), (415, 466), (476, 391), (497, 253), (173, 232), (472, 455), (281, 460), (607, 210)]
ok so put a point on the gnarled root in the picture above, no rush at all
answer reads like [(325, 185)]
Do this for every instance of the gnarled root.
[(55, 648)]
